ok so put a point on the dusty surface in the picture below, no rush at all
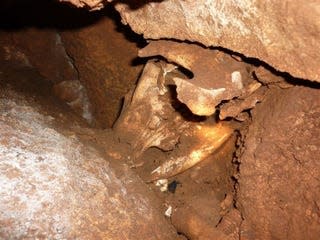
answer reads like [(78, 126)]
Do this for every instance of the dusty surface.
[(54, 184), (283, 34), (197, 194), (279, 187)]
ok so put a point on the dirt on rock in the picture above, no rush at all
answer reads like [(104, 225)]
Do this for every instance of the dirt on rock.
[(279, 183)]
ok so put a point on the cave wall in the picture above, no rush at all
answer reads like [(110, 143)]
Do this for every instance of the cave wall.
[(29, 47), (284, 34), (279, 186), (104, 58)]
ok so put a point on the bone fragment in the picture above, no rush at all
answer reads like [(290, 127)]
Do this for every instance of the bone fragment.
[(252, 95), (207, 139), (200, 101)]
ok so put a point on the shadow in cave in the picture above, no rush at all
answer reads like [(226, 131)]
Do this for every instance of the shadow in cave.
[(182, 108), (285, 75), (50, 14), (136, 4)]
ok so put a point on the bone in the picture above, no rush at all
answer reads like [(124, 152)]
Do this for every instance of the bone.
[(148, 119), (206, 138)]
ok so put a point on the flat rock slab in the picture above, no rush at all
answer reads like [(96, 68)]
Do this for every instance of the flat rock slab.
[(283, 34)]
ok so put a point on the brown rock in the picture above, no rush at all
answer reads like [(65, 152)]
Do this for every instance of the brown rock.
[(75, 95), (230, 224), (187, 221), (283, 34), (103, 57), (280, 169), (55, 187)]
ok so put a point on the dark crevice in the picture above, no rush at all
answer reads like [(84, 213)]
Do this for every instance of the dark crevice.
[(72, 61), (181, 234), (136, 4), (235, 178), (256, 63), (47, 14), (51, 14), (285, 75)]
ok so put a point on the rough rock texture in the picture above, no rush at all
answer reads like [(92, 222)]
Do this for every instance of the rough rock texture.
[(284, 34), (55, 187), (75, 95), (279, 185), (104, 58)]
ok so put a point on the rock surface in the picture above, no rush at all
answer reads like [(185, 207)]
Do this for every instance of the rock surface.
[(279, 186), (55, 187), (283, 34)]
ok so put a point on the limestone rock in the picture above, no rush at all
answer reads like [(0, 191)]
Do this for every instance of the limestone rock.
[(55, 187), (284, 34)]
